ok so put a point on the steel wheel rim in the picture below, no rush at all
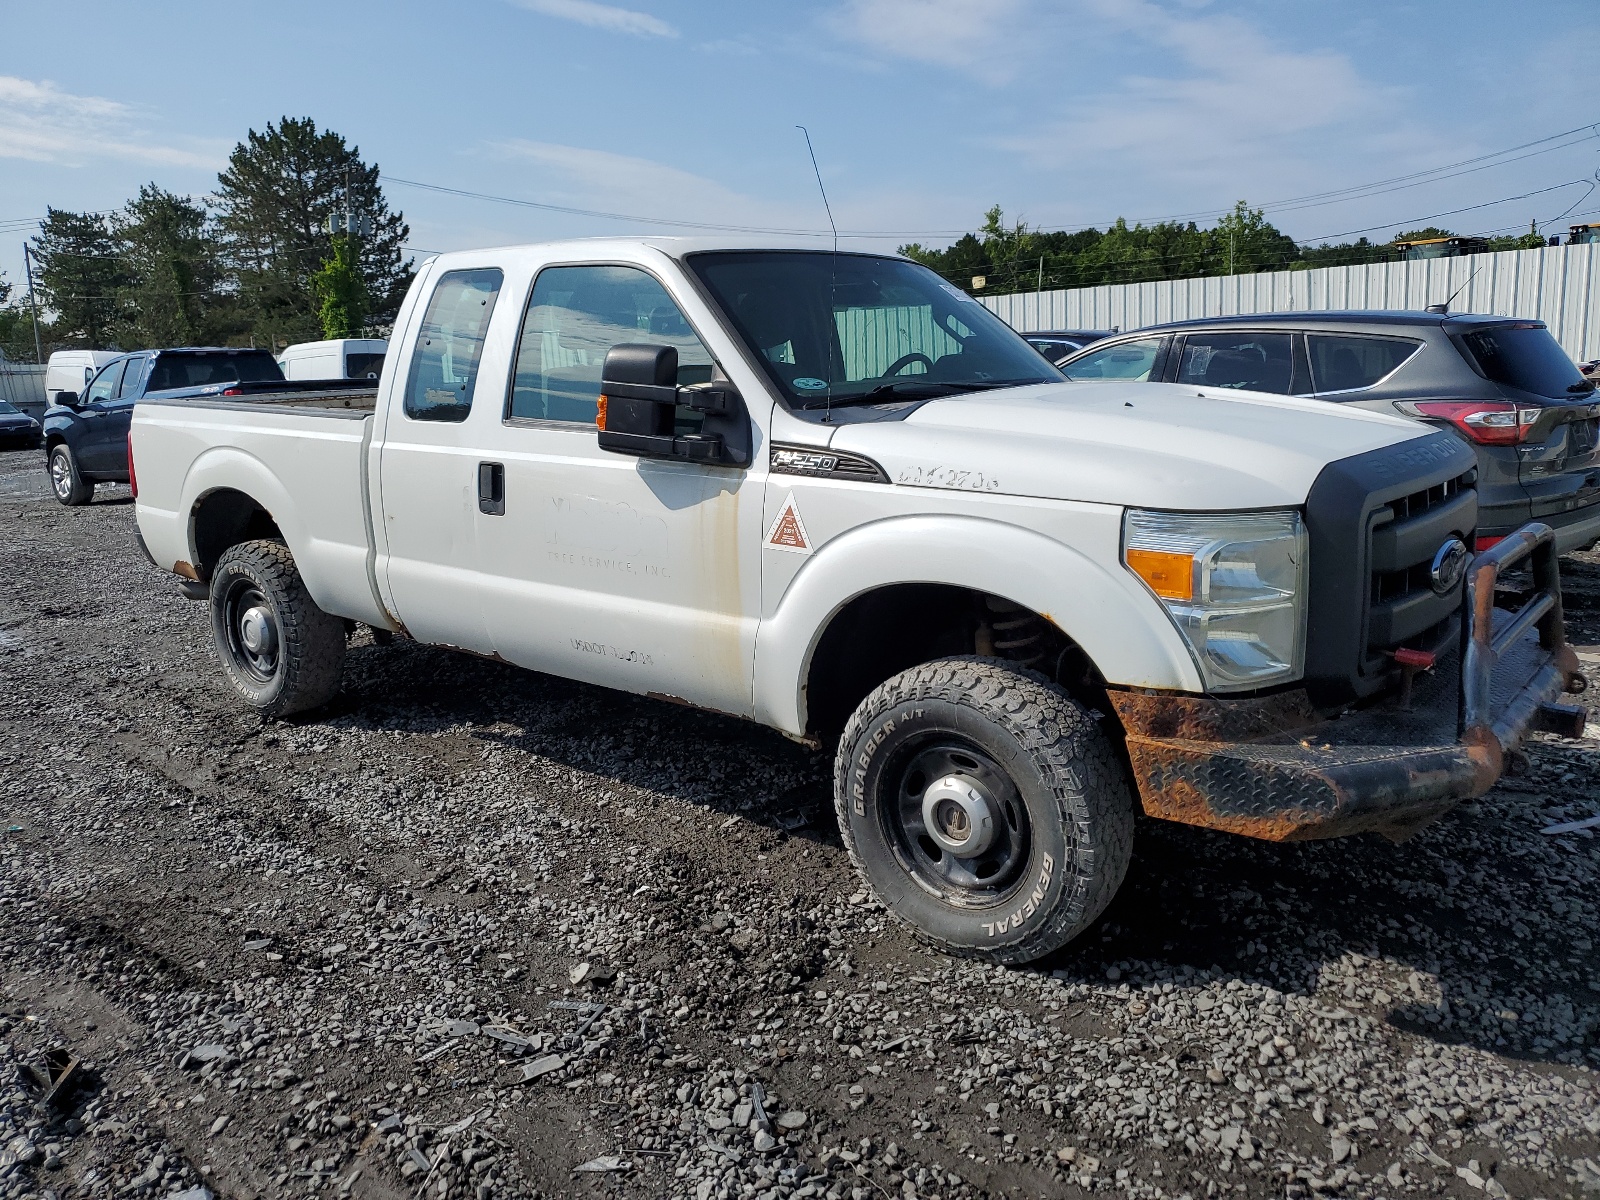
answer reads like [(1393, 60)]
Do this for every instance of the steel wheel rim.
[(60, 474), (254, 637), (943, 767)]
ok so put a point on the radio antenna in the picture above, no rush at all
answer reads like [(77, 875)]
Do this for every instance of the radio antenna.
[(833, 277)]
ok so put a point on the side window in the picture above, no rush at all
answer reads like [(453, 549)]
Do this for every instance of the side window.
[(105, 384), (1126, 360), (1344, 364), (575, 315), (131, 377), (1257, 362), (444, 365)]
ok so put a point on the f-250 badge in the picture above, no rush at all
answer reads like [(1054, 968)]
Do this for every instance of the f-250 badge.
[(788, 531)]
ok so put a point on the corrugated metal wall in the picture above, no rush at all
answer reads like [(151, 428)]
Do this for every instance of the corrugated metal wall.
[(1559, 285), (22, 385)]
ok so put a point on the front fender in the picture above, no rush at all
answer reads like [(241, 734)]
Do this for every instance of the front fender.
[(1100, 606)]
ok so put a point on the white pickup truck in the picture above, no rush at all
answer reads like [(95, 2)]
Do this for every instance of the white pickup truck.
[(830, 493)]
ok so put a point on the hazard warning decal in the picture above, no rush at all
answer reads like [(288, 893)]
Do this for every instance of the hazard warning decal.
[(788, 531)]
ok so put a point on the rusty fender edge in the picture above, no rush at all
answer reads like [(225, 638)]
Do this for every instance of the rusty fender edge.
[(1273, 768)]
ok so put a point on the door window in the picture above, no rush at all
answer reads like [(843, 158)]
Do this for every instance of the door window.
[(575, 315), (444, 365), (131, 377), (105, 384), (1344, 364), (1126, 360), (1257, 362)]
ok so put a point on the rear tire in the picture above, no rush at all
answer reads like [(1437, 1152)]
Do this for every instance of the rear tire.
[(66, 480), (280, 651), (984, 807)]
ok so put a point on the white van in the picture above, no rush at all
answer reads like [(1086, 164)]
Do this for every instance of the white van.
[(71, 370), (341, 358)]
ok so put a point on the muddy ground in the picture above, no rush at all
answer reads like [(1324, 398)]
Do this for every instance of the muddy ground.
[(477, 932)]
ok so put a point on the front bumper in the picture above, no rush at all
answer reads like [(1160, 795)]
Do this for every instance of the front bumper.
[(1272, 767)]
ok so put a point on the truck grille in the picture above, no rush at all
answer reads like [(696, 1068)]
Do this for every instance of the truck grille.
[(1376, 522), (1405, 535)]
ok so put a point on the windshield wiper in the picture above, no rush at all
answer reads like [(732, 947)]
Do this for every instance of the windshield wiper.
[(1583, 385), (922, 389)]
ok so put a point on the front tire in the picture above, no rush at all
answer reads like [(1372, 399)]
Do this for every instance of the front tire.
[(984, 807), (280, 651), (66, 480)]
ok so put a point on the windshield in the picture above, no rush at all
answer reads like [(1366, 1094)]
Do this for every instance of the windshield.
[(1525, 356), (185, 370), (843, 328), (6, 408)]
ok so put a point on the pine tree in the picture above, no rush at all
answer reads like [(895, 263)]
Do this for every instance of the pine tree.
[(77, 275), (170, 296), (273, 204)]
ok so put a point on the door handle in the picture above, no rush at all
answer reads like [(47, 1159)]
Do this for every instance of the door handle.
[(492, 488)]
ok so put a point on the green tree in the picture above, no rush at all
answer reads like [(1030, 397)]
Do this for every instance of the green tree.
[(78, 276), (273, 204), (171, 291), (1244, 242), (341, 291)]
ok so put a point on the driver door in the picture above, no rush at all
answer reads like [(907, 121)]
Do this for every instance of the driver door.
[(636, 573), (96, 416)]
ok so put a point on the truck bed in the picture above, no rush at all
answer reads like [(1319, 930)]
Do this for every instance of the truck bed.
[(301, 454)]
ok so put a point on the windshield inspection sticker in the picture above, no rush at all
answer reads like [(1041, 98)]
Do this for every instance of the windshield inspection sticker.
[(958, 293), (810, 383), (788, 531)]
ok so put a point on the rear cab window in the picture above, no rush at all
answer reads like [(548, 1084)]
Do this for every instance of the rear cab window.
[(1348, 362), (449, 349), (1524, 356)]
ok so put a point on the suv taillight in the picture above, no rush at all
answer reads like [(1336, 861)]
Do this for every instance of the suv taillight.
[(1487, 422), (133, 480)]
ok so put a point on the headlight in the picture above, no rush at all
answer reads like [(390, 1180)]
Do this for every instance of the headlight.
[(1235, 586)]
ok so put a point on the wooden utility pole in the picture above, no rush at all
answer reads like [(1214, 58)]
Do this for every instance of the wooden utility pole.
[(33, 301)]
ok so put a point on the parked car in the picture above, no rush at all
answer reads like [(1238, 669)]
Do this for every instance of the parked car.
[(829, 492), (71, 371), (86, 437), (17, 428), (1057, 344), (341, 358), (1503, 385)]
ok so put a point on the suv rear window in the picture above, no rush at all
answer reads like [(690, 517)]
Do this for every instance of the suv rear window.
[(181, 370), (1341, 363), (363, 366), (1525, 356)]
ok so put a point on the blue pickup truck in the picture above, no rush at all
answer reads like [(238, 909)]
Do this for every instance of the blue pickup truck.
[(86, 436)]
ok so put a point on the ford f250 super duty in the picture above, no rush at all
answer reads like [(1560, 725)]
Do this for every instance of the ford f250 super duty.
[(830, 493)]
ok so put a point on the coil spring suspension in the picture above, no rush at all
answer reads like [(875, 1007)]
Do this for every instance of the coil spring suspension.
[(1017, 634)]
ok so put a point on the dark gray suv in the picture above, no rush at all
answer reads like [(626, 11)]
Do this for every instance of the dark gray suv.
[(1504, 385)]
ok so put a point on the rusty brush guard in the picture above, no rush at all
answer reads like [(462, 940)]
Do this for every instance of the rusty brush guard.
[(1273, 767)]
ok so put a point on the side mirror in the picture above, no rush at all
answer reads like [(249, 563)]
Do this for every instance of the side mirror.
[(67, 399), (639, 399)]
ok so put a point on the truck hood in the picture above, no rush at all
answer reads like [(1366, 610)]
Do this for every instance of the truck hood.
[(1147, 445)]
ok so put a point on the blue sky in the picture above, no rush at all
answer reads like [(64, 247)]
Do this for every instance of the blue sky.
[(923, 112)]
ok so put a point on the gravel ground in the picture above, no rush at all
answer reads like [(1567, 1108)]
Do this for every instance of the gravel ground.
[(479, 932)]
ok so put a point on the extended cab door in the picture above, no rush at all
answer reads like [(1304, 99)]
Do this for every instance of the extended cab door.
[(637, 573), (428, 465)]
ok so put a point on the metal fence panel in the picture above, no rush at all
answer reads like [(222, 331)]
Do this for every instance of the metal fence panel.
[(1557, 285), (22, 385)]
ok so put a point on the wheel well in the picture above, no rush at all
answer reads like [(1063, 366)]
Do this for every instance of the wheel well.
[(225, 518), (889, 630)]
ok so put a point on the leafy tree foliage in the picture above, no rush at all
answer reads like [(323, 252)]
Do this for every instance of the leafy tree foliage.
[(341, 290), (78, 276), (273, 204), (1012, 257)]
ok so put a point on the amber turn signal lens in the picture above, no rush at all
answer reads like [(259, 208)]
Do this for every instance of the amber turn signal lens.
[(600, 412), (1170, 576)]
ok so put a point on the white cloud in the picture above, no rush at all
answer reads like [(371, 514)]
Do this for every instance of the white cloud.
[(41, 123), (602, 16), (580, 177), (978, 36)]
